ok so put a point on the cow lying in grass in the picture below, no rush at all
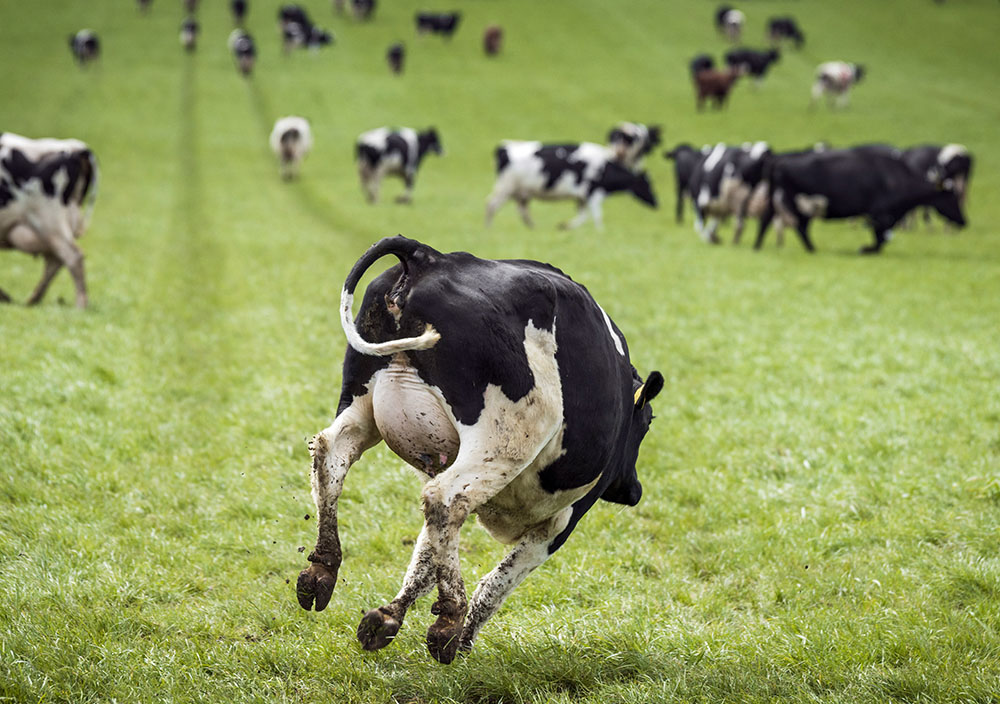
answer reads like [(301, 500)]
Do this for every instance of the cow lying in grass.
[(509, 390)]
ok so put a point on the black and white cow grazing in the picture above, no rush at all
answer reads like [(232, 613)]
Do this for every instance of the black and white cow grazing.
[(45, 185), (363, 9), (949, 166), (721, 185), (851, 183), (779, 28), (244, 50), (298, 30), (834, 79), (239, 10), (291, 141), (85, 46), (586, 173), (686, 159), (396, 57), (631, 141), (389, 151), (509, 390), (729, 22), (752, 62), (701, 62), (444, 23), (189, 34)]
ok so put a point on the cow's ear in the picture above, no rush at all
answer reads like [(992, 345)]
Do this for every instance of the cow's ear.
[(649, 390)]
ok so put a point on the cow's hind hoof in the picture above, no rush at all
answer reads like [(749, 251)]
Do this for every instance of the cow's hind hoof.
[(377, 629), (316, 583), (444, 635), (870, 249)]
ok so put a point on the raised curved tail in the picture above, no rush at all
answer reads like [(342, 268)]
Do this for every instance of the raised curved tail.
[(406, 250)]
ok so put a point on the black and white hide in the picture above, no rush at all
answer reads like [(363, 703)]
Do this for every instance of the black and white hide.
[(948, 167), (509, 390), (752, 62), (291, 140), (686, 159), (189, 34), (834, 79), (47, 191), (388, 151), (85, 45), (585, 173), (721, 185), (729, 22), (244, 50), (298, 30), (630, 142)]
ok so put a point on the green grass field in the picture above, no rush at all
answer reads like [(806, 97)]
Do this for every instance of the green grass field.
[(821, 516)]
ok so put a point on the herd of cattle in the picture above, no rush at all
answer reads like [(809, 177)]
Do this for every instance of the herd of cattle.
[(503, 383)]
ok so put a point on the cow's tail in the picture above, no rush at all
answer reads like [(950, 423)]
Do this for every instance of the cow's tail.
[(406, 250)]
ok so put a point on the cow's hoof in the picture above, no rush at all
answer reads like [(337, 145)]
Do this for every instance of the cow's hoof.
[(4, 298), (870, 249), (404, 200), (444, 635), (377, 629), (316, 583)]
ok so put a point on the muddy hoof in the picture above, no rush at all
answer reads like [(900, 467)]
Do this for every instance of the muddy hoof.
[(443, 636), (316, 582), (377, 629)]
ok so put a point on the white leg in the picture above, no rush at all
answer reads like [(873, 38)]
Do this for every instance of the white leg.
[(581, 217), (595, 203), (496, 199), (522, 207)]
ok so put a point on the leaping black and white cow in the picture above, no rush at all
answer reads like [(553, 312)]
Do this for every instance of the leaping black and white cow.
[(837, 184), (584, 172), (386, 151), (45, 185), (509, 390)]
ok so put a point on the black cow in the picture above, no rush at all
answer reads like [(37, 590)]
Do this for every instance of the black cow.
[(298, 30), (701, 62), (779, 28), (438, 22), (386, 151), (45, 185), (396, 57), (244, 50), (686, 159), (949, 166), (509, 390), (363, 9), (851, 183), (239, 10), (85, 45), (752, 62), (586, 173)]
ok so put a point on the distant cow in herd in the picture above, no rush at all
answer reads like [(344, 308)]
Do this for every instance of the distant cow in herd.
[(782, 28), (583, 172), (630, 142), (729, 22), (298, 30), (291, 141), (393, 152), (189, 34), (244, 50), (492, 40), (835, 80), (443, 23), (238, 8), (751, 61), (47, 189), (509, 390), (85, 45)]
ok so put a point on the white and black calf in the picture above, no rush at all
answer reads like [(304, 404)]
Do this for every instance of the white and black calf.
[(835, 79), (44, 187), (862, 182), (244, 50), (586, 173), (630, 142), (393, 152), (509, 390), (443, 23), (290, 140), (85, 45)]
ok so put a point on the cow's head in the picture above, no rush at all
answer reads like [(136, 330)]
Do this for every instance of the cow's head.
[(642, 189), (947, 203), (428, 141), (626, 489), (859, 72)]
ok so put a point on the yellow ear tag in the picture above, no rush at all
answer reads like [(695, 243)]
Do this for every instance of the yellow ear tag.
[(638, 393)]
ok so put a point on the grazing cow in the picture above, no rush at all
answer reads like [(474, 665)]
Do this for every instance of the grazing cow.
[(752, 62), (239, 10), (492, 39), (712, 84), (779, 28), (631, 141), (189, 34), (851, 183), (686, 159), (44, 185), (509, 390), (190, 6), (729, 22), (701, 62), (444, 23), (584, 172), (144, 5), (298, 30), (363, 9), (721, 184), (396, 57), (834, 79), (244, 50), (393, 152), (291, 140), (85, 46), (949, 166)]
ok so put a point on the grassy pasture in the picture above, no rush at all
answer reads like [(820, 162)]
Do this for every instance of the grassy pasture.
[(821, 516)]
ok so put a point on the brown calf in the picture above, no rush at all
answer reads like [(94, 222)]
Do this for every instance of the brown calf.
[(714, 84)]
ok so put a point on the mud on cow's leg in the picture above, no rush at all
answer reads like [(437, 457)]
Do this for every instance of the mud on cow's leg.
[(333, 452)]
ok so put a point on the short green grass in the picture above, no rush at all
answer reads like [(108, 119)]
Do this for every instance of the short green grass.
[(822, 482)]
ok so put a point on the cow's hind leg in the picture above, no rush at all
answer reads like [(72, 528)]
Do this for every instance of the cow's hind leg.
[(333, 450), (530, 552), (52, 267), (407, 195)]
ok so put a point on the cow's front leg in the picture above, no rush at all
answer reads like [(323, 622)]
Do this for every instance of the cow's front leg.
[(522, 208), (52, 266), (407, 195), (493, 589), (333, 450)]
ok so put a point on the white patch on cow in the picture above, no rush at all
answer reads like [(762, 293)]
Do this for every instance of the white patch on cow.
[(617, 340), (811, 206), (758, 149), (704, 196), (888, 235), (714, 157), (949, 152)]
